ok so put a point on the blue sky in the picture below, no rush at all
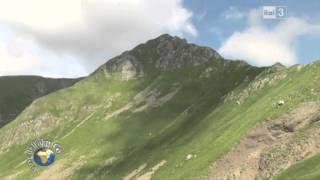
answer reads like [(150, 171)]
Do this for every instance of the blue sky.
[(36, 40), (214, 28)]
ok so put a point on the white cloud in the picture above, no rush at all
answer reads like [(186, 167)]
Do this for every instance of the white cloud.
[(15, 61), (233, 13), (90, 31), (263, 46), (23, 57)]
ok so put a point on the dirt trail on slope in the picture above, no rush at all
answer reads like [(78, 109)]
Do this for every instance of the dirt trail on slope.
[(154, 169), (135, 172), (137, 175), (272, 146)]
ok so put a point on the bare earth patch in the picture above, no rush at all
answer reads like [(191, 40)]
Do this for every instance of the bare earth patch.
[(146, 176), (153, 98), (272, 146), (154, 169), (58, 171), (135, 172)]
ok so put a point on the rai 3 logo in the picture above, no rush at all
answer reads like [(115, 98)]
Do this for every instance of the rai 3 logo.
[(274, 12)]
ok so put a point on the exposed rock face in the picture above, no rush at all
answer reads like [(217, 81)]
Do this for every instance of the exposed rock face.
[(125, 64), (17, 92), (260, 82), (273, 146), (278, 67), (161, 54), (175, 53), (151, 97)]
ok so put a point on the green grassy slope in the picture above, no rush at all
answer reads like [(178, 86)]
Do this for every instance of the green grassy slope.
[(17, 92), (308, 169), (123, 133), (106, 133)]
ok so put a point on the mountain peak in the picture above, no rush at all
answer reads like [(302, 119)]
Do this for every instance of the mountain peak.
[(164, 53), (278, 66), (168, 37)]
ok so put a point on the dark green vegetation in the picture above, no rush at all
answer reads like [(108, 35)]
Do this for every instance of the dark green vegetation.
[(164, 101), (18, 92)]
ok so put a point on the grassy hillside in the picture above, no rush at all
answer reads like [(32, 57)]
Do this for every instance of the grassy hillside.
[(134, 118), (308, 169), (17, 92)]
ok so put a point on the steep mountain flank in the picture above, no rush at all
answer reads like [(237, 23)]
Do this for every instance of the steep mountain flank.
[(166, 109), (273, 145), (17, 92)]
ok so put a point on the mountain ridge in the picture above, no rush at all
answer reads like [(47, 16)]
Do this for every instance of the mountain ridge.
[(160, 55), (158, 121), (17, 92)]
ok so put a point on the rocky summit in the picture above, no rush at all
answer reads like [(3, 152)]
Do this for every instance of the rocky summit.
[(165, 53), (169, 109)]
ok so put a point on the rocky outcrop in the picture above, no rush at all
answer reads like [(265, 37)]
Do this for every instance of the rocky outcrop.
[(272, 146), (164, 53), (126, 65), (175, 53), (267, 78)]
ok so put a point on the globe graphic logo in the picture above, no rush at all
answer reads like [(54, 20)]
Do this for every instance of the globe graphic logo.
[(44, 157)]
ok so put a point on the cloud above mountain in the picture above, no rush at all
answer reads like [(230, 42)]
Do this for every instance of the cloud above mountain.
[(263, 45), (68, 35)]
